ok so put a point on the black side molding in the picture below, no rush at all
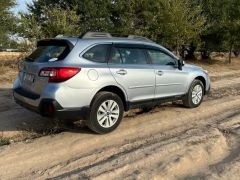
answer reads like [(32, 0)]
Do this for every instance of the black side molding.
[(153, 102)]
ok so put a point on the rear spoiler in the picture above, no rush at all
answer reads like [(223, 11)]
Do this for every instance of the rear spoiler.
[(60, 42)]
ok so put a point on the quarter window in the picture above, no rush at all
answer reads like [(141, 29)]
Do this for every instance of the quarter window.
[(161, 58), (97, 53), (128, 56)]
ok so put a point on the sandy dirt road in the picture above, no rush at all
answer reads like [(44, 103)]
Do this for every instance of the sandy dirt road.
[(169, 142)]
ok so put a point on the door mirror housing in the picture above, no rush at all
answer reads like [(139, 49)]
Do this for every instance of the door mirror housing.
[(180, 64)]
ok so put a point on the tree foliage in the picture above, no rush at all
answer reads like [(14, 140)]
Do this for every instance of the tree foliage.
[(174, 22), (207, 25), (7, 21), (223, 25), (52, 22)]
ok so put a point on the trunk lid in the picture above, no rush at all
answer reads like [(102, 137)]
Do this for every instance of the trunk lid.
[(48, 53)]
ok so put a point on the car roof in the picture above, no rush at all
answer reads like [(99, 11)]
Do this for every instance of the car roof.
[(75, 40), (123, 40)]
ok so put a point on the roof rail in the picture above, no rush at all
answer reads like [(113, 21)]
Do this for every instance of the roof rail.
[(95, 35), (139, 38), (109, 35), (59, 36)]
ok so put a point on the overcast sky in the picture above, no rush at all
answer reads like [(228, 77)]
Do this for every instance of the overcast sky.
[(21, 5)]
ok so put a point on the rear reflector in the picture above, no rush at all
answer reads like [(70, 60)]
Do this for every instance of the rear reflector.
[(58, 74), (50, 108)]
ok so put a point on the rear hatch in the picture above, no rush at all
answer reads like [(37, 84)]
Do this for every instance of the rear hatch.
[(48, 53)]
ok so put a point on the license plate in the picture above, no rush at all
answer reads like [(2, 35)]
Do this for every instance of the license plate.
[(28, 78)]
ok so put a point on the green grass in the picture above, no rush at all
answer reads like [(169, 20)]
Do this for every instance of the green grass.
[(4, 141)]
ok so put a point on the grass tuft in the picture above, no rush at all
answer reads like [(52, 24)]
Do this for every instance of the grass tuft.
[(4, 141)]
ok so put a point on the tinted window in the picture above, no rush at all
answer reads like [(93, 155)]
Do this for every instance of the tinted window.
[(116, 57), (45, 53), (97, 53), (128, 56), (160, 58)]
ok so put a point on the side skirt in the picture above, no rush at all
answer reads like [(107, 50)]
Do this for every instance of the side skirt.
[(153, 102)]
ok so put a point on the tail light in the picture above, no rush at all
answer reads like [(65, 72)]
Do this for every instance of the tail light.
[(58, 74)]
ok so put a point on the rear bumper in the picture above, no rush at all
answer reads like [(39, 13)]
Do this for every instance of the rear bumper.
[(48, 107)]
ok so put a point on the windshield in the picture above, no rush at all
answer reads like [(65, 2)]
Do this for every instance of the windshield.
[(47, 52)]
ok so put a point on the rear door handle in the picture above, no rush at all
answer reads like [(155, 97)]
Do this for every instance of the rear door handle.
[(122, 72), (159, 73)]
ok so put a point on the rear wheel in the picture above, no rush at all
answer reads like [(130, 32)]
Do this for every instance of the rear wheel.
[(106, 112), (195, 94)]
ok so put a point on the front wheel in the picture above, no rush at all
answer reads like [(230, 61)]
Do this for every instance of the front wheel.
[(106, 112), (195, 94)]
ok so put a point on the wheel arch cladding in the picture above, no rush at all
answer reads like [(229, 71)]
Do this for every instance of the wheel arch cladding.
[(202, 79), (116, 90)]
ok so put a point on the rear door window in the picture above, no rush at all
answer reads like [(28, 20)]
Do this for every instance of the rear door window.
[(128, 56), (97, 53), (49, 51)]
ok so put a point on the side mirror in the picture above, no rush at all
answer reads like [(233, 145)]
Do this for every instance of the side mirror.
[(180, 64)]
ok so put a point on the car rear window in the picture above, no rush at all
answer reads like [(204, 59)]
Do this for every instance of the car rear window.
[(48, 51)]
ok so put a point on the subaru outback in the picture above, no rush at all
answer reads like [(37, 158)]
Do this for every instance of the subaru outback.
[(96, 77)]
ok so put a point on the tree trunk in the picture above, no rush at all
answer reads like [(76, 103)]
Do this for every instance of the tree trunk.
[(190, 52), (177, 49), (182, 52), (230, 53), (204, 54), (236, 53)]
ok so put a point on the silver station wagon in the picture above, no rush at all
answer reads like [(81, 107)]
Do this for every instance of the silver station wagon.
[(96, 77)]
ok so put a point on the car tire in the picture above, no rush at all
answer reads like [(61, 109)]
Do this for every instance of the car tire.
[(106, 112), (195, 94)]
